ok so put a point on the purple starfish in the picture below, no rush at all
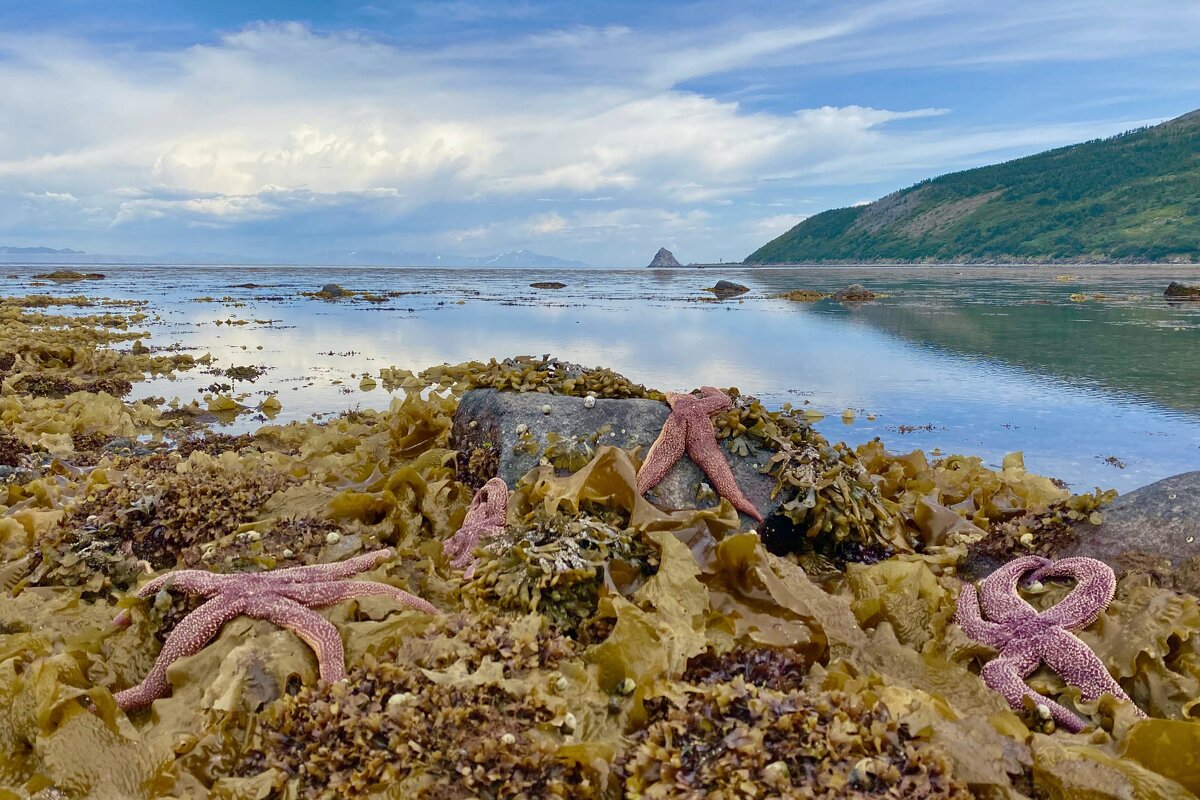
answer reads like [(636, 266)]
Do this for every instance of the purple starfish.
[(1026, 638), (485, 517), (283, 596)]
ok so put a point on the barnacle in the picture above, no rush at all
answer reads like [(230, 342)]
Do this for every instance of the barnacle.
[(402, 719), (738, 740), (558, 565)]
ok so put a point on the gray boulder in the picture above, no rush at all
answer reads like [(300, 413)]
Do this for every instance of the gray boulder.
[(1154, 528), (486, 433), (333, 290)]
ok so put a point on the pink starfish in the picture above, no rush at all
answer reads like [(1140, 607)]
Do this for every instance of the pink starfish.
[(1027, 638), (689, 428), (283, 596), (485, 517)]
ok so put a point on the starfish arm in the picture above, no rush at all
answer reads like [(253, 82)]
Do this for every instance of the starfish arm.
[(326, 594), (1096, 585), (316, 631), (485, 517), (192, 581), (662, 455), (1071, 658), (998, 592), (1006, 676), (708, 456), (711, 401), (969, 618), (188, 638), (328, 572)]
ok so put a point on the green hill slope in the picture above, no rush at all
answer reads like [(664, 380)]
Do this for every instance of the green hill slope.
[(1134, 197)]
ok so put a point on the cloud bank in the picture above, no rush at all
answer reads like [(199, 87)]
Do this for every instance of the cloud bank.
[(590, 142)]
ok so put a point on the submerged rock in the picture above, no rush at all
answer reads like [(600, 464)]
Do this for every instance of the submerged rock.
[(854, 293), (1180, 291), (548, 285), (664, 258), (1156, 523), (509, 433)]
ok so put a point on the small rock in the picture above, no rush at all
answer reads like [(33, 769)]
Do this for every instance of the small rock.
[(548, 285), (854, 293), (589, 402), (333, 290), (333, 537), (1180, 291)]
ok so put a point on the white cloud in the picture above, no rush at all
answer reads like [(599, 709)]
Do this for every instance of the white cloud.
[(277, 122), (770, 227)]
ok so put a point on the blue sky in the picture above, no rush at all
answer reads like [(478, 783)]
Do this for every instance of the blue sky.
[(596, 131)]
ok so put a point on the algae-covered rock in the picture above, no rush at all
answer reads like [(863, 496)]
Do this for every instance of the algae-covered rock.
[(854, 293), (516, 431), (1180, 291)]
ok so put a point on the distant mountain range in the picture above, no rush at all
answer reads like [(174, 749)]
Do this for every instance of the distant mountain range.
[(1133, 197), (373, 258), (37, 251)]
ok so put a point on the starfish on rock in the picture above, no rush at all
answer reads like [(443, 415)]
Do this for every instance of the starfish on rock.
[(689, 428), (284, 596), (484, 518), (1027, 638)]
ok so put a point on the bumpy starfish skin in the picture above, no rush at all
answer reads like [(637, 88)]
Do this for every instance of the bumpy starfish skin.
[(282, 596), (1027, 638), (689, 429), (485, 517)]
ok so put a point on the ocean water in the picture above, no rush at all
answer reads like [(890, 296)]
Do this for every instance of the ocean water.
[(979, 360)]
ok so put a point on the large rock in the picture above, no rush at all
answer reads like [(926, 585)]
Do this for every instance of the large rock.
[(724, 288), (486, 433), (664, 258), (1180, 291), (1156, 527), (854, 293)]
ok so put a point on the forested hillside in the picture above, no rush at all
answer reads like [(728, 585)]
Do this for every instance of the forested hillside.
[(1133, 197)]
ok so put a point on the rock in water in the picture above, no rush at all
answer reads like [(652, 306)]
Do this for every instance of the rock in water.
[(664, 258), (1160, 521), (507, 433), (548, 285), (725, 288), (854, 293), (1180, 291), (332, 290)]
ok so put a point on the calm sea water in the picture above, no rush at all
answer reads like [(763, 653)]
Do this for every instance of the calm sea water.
[(971, 359)]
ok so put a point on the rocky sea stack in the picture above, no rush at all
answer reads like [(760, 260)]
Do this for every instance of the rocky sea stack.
[(663, 259)]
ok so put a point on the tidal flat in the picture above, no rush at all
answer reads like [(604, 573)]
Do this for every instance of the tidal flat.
[(1085, 369), (602, 647)]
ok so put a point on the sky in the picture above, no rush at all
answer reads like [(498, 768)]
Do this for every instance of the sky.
[(595, 131)]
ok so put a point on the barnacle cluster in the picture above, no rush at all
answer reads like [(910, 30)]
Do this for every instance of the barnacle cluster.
[(161, 515), (558, 564), (738, 740), (400, 720)]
